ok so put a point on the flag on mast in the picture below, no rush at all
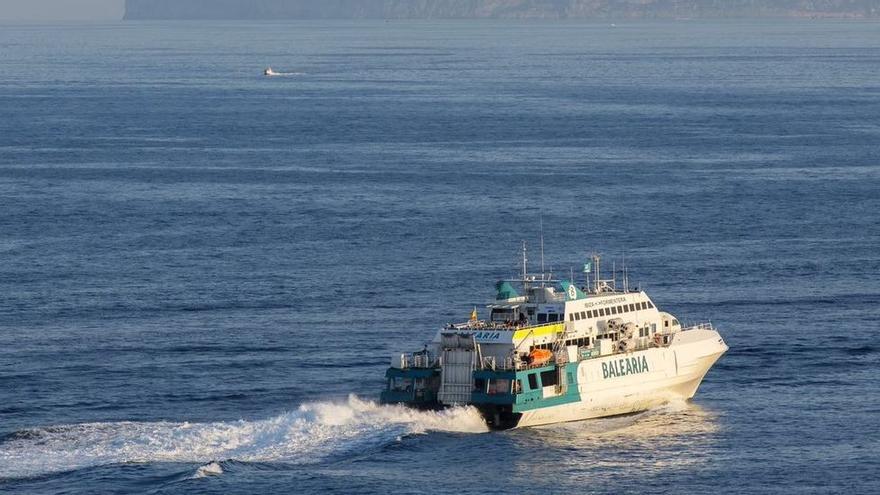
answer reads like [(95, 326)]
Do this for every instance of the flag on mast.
[(588, 267)]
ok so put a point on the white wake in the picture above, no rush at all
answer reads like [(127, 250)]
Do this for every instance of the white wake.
[(314, 432), (286, 74)]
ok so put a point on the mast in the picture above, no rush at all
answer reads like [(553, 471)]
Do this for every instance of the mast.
[(542, 250)]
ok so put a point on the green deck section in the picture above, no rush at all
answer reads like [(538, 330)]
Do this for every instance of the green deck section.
[(528, 399), (533, 398), (411, 395)]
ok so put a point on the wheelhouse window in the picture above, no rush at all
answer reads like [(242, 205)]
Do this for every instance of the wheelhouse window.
[(533, 381), (542, 317)]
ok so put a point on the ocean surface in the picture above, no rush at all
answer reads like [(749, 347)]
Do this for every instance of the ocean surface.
[(204, 272)]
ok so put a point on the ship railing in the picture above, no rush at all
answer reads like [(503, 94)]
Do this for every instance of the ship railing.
[(498, 325), (485, 325), (419, 360), (494, 364), (700, 326)]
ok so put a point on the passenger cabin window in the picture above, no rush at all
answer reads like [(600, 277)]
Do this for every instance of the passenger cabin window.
[(533, 381), (583, 315), (401, 384), (577, 316), (502, 314), (621, 309), (644, 305), (542, 317), (571, 316), (650, 304), (613, 310), (632, 307), (553, 317), (589, 314), (548, 378), (499, 386)]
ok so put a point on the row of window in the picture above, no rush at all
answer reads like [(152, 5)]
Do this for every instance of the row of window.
[(580, 342), (612, 310), (548, 317), (492, 386), (502, 385), (548, 379)]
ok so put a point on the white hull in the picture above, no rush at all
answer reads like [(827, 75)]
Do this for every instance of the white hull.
[(673, 372)]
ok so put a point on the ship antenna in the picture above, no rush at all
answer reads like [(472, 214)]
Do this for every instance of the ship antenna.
[(542, 250), (614, 275), (625, 276), (525, 261)]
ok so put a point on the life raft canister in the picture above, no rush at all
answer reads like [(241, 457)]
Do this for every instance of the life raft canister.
[(540, 356)]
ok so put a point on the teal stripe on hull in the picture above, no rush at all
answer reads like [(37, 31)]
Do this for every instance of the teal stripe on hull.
[(532, 398)]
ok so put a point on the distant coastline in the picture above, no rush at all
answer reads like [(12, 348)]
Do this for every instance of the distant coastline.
[(512, 9)]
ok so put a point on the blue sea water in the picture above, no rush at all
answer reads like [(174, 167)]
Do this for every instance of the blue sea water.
[(204, 272)]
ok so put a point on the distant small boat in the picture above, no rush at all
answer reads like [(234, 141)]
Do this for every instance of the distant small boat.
[(269, 72)]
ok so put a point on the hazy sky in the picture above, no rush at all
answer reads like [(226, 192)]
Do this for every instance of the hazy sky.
[(61, 10)]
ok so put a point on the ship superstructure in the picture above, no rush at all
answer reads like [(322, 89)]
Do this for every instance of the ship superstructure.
[(551, 351)]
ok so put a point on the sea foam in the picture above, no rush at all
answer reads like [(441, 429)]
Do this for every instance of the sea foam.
[(312, 433)]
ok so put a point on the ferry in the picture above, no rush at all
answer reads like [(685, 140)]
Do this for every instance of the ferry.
[(551, 351)]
